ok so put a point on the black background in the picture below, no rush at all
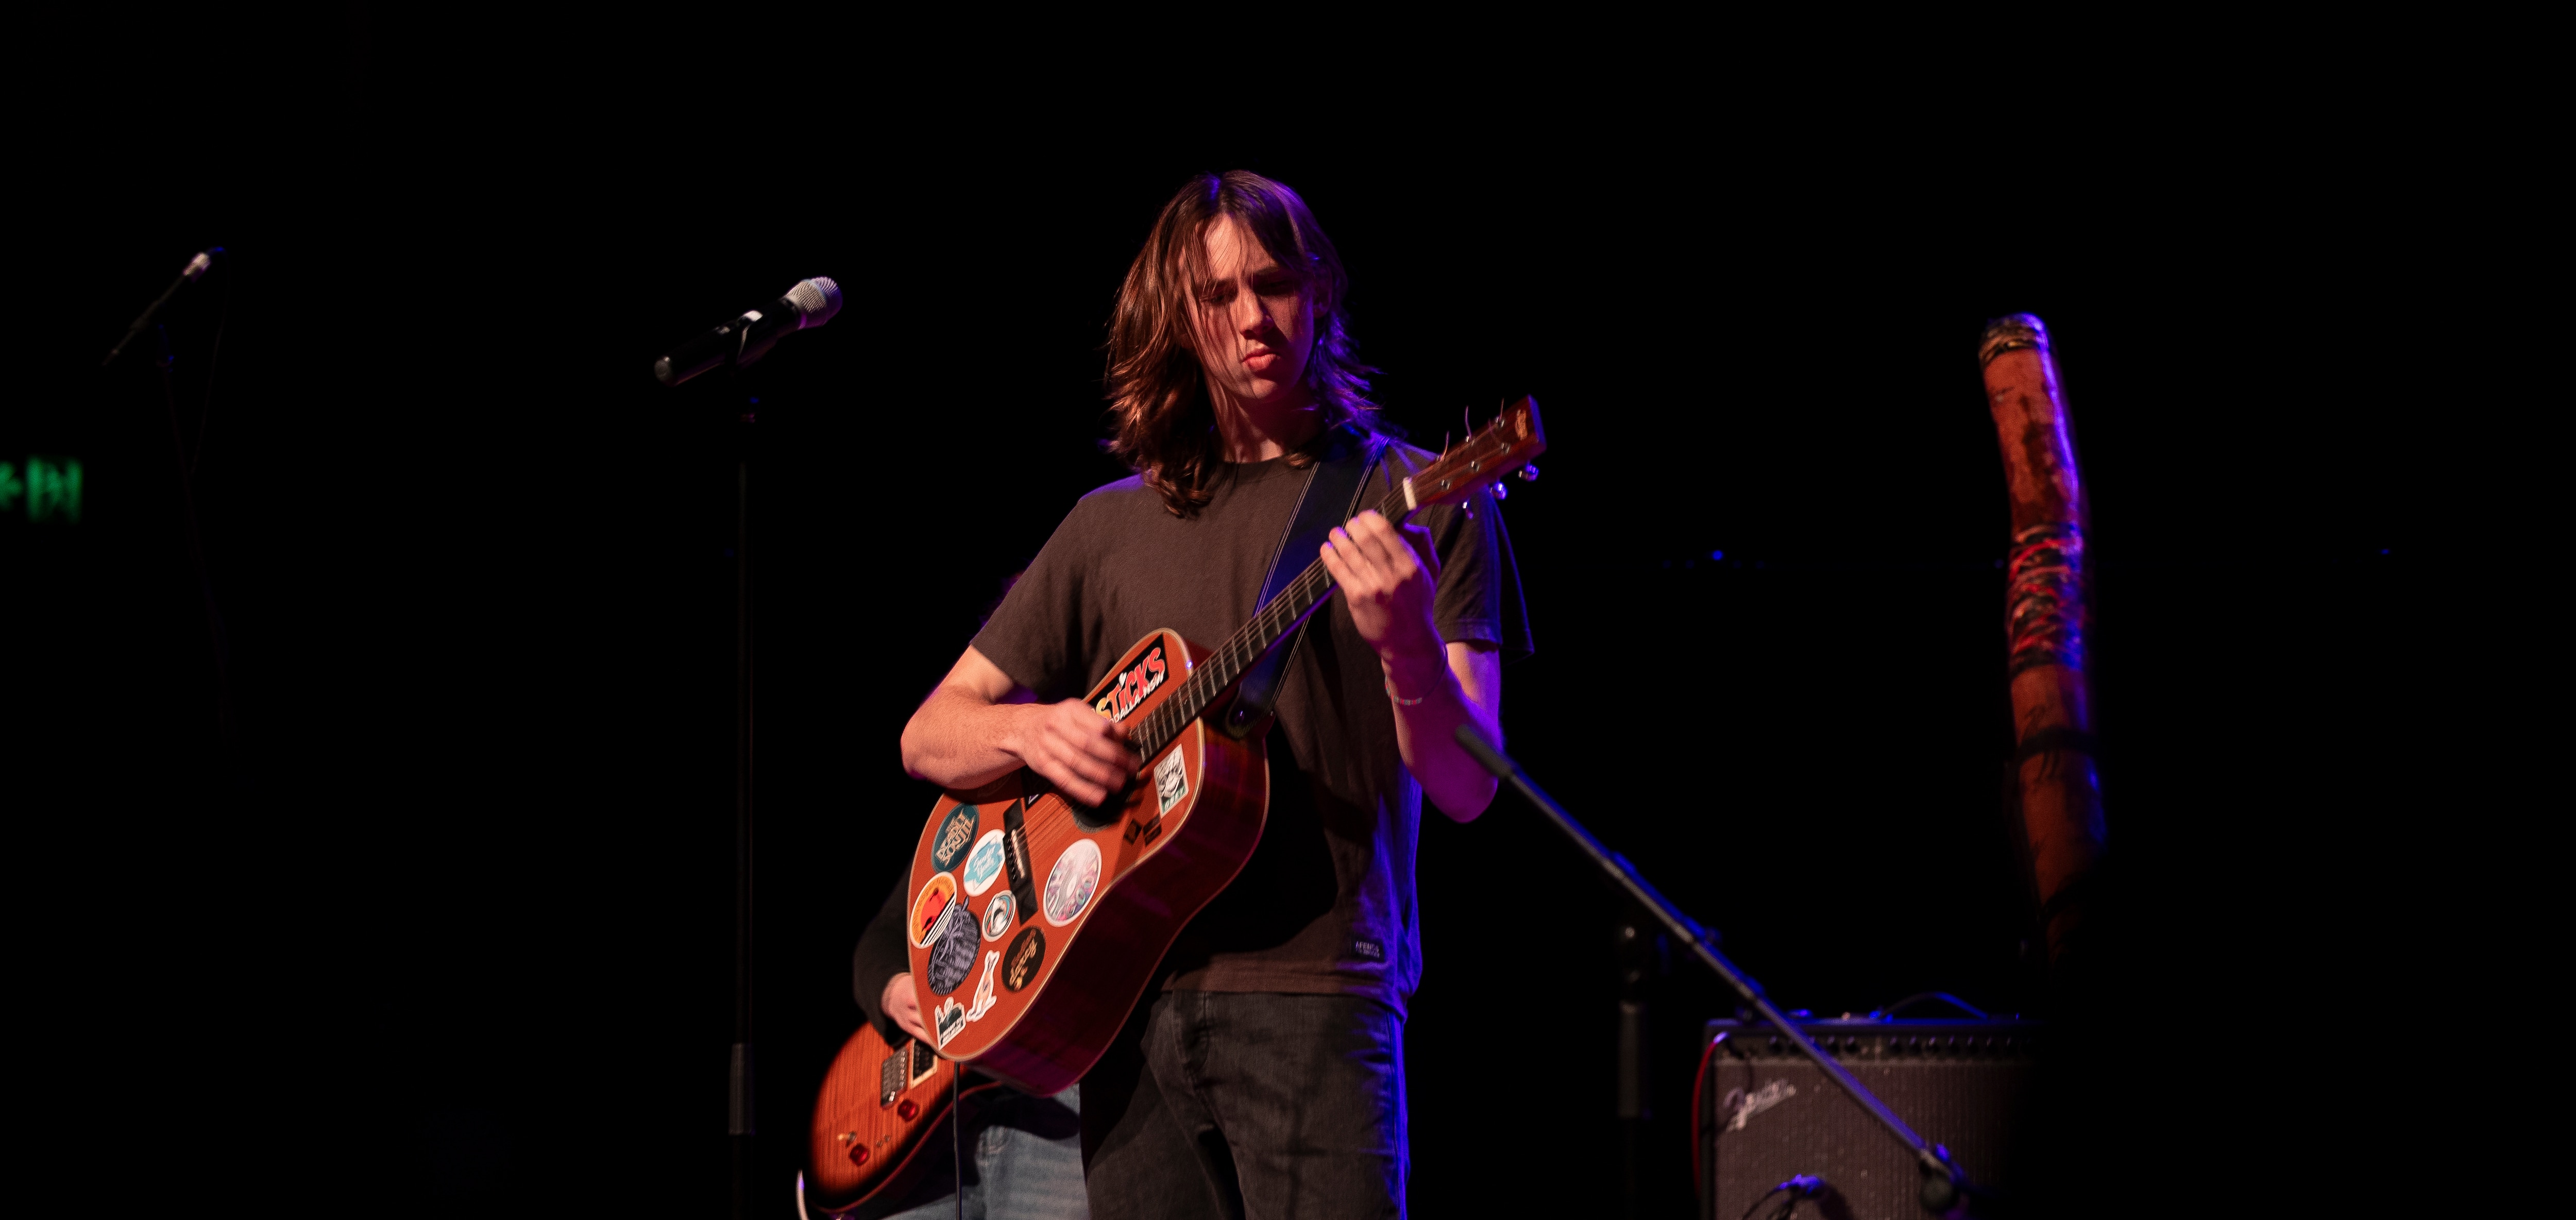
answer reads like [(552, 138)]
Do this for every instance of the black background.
[(445, 926)]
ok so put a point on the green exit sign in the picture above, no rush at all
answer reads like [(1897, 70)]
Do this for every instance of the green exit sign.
[(48, 488)]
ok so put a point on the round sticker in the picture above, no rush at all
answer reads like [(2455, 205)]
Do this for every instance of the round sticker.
[(930, 908), (953, 956), (997, 917), (1070, 883), (954, 835), (1020, 962), (983, 864)]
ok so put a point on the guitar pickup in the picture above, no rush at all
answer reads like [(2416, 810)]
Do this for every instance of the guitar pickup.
[(904, 1069), (890, 1079)]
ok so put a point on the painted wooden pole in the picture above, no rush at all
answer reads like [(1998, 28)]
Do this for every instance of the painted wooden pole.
[(2059, 792)]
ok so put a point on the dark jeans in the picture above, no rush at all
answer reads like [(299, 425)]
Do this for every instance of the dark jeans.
[(1244, 1106), (1022, 1163)]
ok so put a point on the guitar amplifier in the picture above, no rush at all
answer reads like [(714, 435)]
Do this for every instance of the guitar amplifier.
[(1767, 1114)]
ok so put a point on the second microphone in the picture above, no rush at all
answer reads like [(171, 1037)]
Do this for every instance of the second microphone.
[(809, 304)]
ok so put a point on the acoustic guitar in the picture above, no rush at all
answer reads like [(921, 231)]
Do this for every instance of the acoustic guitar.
[(878, 1106), (1036, 922)]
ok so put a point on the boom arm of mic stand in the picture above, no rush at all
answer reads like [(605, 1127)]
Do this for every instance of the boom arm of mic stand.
[(1689, 932)]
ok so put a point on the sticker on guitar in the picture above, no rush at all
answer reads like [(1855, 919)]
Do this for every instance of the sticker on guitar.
[(984, 990), (951, 1020), (983, 864), (954, 835), (1027, 952), (1171, 781), (1070, 883), (954, 955), (930, 908), (1130, 688)]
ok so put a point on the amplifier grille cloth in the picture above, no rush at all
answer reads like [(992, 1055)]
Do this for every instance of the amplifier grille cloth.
[(1961, 1084)]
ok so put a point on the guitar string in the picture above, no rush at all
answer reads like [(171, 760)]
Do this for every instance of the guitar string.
[(1269, 624), (1247, 645)]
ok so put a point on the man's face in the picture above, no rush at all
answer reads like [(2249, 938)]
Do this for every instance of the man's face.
[(1256, 319)]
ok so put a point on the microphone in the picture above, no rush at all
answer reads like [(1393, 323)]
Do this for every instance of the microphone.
[(187, 275), (809, 304)]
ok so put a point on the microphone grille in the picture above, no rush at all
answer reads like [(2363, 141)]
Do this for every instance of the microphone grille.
[(817, 299)]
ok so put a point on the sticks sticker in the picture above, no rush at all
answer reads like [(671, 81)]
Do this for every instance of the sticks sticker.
[(1070, 883), (1130, 688)]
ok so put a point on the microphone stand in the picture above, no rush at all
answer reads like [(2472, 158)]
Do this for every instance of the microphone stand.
[(747, 344), (226, 722), (742, 1125), (1945, 1186)]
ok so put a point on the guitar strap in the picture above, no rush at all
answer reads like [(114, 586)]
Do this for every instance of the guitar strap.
[(1331, 497)]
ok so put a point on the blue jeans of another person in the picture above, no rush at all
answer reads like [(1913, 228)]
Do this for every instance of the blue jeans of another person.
[(1023, 1162), (1226, 1105)]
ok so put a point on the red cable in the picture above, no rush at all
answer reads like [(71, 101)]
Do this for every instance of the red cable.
[(1699, 1089)]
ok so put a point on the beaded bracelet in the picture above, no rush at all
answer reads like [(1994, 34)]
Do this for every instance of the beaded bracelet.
[(1390, 693)]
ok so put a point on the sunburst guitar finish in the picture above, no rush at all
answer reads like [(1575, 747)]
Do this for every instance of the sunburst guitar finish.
[(1035, 925), (879, 1107)]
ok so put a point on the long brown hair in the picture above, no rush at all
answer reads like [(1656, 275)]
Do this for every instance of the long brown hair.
[(1158, 395)]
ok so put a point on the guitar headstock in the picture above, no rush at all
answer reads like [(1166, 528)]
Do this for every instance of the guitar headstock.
[(1493, 453)]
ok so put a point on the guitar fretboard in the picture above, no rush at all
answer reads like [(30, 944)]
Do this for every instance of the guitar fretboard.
[(1269, 625)]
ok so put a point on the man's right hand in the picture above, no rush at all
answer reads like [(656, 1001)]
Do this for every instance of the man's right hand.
[(1076, 748), (901, 1004), (979, 726)]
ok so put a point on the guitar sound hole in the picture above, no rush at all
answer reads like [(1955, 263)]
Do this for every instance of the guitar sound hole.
[(1088, 817), (1091, 818)]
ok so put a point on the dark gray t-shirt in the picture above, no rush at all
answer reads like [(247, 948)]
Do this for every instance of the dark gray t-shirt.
[(1327, 903)]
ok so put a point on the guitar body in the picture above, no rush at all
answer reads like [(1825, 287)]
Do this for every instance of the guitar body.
[(878, 1107), (1035, 925)]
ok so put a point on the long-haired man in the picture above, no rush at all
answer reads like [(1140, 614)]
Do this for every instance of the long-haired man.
[(1264, 1072)]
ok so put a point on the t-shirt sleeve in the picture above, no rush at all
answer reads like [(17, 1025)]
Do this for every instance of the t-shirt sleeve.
[(1480, 584), (1036, 634)]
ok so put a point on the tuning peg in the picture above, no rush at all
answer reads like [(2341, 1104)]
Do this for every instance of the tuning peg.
[(1501, 491), (1529, 474)]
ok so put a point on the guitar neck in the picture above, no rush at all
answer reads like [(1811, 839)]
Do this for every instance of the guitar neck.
[(1269, 625)]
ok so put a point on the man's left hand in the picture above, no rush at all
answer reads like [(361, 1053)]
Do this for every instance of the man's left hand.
[(1387, 575)]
